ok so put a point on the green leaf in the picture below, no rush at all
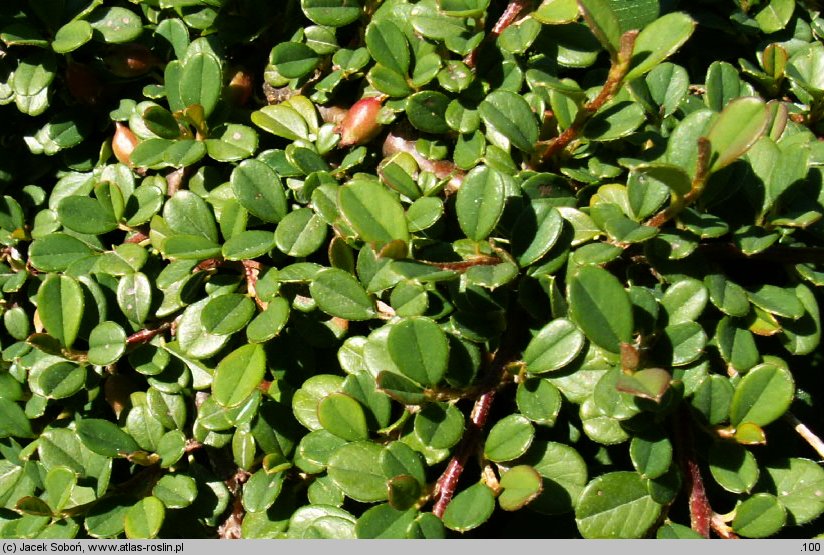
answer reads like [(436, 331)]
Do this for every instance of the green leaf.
[(470, 508), (116, 25), (797, 483), (57, 381), (144, 518), (480, 202), (134, 296), (261, 491), (603, 22), (775, 15), (658, 41), (510, 115), (232, 142), (803, 336), (651, 455), (293, 59), (72, 36), (759, 516), (616, 505), (339, 294), (247, 245), (554, 347), (55, 252), (601, 307), (281, 120), (85, 215), (300, 233), (684, 301), (733, 467), (227, 314), (536, 231), (464, 8), (343, 416), (187, 213), (384, 522), (509, 438), (554, 12), (105, 438), (426, 111), (238, 375), (539, 400), (175, 491), (373, 211), (60, 307), (13, 421), (387, 45), (728, 138), (439, 425), (729, 297), (521, 484), (355, 468), (762, 395), (201, 81), (259, 190), (334, 13), (419, 348)]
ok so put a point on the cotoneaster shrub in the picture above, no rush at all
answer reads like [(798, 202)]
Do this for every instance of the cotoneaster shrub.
[(411, 269)]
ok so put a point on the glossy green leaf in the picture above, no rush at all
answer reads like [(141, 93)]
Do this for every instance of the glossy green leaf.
[(387, 45), (797, 483), (72, 36), (603, 22), (762, 395), (355, 468), (730, 139), (300, 233), (201, 81), (480, 202), (760, 516), (115, 24), (55, 252), (293, 59), (334, 13), (510, 115), (144, 518), (238, 375), (60, 304), (601, 307), (258, 189), (616, 505), (521, 484), (651, 455), (426, 111), (373, 211), (469, 508), (105, 438), (343, 416), (509, 438), (227, 314), (339, 294), (658, 41), (733, 467), (555, 346), (134, 296), (420, 350), (439, 425), (539, 400), (175, 491)]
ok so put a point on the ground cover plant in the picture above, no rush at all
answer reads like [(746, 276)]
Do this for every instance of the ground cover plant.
[(411, 269)]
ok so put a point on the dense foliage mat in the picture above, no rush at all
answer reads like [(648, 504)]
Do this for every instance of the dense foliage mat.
[(411, 269)]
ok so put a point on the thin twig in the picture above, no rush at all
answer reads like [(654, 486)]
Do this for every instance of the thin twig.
[(511, 13), (144, 336), (700, 510), (808, 435), (615, 79), (702, 173)]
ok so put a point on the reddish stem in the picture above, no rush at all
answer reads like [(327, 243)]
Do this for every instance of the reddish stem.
[(511, 13), (449, 479), (144, 336), (700, 510)]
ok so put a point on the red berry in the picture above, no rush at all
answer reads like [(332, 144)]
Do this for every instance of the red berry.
[(130, 60), (83, 84), (123, 143), (361, 122)]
